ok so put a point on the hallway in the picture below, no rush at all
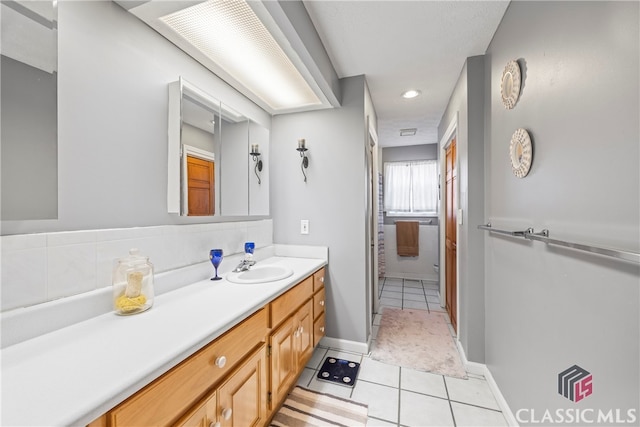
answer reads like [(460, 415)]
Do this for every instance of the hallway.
[(404, 397)]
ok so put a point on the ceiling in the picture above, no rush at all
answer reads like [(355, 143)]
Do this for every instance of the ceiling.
[(401, 45), (397, 45)]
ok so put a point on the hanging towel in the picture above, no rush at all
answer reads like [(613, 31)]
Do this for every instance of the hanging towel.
[(407, 233)]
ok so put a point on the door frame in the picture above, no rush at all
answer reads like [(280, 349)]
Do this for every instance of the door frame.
[(450, 134), (371, 225)]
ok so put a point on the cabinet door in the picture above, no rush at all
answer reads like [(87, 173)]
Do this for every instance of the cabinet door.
[(318, 329), (283, 362), (242, 399), (202, 415), (304, 334)]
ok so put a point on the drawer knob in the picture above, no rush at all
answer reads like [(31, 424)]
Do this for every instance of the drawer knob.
[(226, 413), (215, 424), (322, 279), (321, 303), (221, 361), (322, 329), (301, 329)]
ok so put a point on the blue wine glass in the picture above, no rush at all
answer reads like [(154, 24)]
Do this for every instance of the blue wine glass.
[(215, 255)]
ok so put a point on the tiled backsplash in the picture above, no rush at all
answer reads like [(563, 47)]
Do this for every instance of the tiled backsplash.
[(37, 268)]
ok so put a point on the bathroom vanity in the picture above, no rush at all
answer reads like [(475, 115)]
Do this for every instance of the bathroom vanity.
[(207, 354)]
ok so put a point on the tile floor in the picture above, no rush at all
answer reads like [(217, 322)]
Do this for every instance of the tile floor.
[(399, 396), (408, 293)]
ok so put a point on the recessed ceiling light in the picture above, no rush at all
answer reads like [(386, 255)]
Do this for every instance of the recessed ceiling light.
[(411, 93), (408, 132)]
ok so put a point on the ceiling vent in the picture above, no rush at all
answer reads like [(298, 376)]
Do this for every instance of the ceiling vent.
[(408, 132)]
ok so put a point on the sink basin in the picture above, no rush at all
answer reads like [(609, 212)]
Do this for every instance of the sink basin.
[(260, 274)]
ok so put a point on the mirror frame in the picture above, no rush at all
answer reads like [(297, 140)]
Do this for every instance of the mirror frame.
[(177, 200)]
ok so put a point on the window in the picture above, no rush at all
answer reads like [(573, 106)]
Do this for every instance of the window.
[(411, 188)]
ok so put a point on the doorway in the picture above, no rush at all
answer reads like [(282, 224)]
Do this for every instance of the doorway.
[(451, 181)]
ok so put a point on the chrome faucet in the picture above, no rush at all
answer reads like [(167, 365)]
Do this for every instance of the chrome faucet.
[(244, 265)]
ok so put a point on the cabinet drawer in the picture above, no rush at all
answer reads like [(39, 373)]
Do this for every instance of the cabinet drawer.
[(164, 400), (318, 303), (287, 303), (318, 329), (318, 279)]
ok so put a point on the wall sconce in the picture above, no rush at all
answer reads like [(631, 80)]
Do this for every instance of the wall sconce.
[(255, 155), (305, 160)]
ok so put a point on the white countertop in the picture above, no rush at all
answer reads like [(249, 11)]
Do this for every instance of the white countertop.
[(73, 375)]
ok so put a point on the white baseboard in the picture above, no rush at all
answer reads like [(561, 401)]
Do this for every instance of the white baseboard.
[(346, 345), (481, 369)]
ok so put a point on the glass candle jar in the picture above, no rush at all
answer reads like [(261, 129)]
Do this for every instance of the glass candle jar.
[(132, 284)]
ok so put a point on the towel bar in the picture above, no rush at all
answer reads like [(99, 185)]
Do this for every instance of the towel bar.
[(543, 236)]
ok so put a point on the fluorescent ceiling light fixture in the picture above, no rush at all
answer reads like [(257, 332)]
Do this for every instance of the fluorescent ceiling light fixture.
[(408, 132), (411, 93), (231, 35)]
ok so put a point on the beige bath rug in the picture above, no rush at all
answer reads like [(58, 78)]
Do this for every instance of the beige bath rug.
[(418, 340), (307, 408)]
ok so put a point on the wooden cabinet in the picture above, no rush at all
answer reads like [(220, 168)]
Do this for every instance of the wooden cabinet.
[(297, 320), (203, 415), (164, 400), (318, 279), (291, 347), (240, 401), (319, 304), (231, 381)]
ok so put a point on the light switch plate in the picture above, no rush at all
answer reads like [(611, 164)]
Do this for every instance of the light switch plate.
[(304, 226)]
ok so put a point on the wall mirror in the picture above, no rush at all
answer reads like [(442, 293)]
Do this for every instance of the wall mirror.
[(29, 115), (235, 178), (210, 166)]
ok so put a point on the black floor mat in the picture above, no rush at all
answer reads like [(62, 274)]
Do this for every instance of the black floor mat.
[(339, 371)]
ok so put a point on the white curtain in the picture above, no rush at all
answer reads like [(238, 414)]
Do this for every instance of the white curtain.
[(424, 186), (411, 187), (397, 187)]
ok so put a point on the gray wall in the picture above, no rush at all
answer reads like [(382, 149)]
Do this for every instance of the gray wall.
[(549, 308), (467, 103), (198, 138), (112, 119), (332, 199), (409, 152)]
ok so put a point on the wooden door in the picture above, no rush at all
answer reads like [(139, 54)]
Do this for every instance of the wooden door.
[(283, 362), (304, 338), (200, 186), (242, 399), (450, 234), (202, 415)]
